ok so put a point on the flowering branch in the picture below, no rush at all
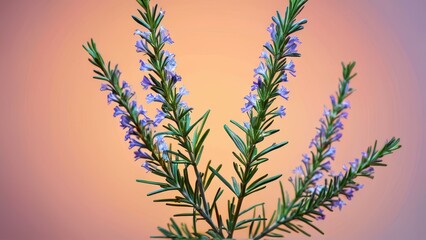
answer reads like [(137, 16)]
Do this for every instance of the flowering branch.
[(163, 64), (328, 132), (268, 75), (328, 196)]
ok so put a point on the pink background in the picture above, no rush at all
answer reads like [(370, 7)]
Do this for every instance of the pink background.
[(66, 173)]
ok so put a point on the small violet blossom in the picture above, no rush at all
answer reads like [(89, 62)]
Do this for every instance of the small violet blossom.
[(159, 117), (182, 92), (144, 35), (146, 82), (272, 30), (165, 36), (146, 166), (291, 47), (260, 70), (281, 111), (290, 67), (338, 203), (145, 66), (256, 84), (139, 154), (157, 98), (141, 46), (283, 92)]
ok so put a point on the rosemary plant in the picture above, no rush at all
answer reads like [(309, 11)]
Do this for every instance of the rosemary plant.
[(316, 187)]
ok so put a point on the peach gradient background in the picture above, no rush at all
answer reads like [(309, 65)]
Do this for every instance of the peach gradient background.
[(65, 172)]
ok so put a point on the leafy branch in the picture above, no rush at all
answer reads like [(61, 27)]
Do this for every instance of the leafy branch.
[(260, 114), (328, 197)]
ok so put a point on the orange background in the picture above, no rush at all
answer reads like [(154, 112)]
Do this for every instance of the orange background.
[(66, 172)]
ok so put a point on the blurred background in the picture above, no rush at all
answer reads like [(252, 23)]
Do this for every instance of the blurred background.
[(66, 173)]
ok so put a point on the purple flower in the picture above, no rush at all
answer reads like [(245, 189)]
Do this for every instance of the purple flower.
[(165, 36), (260, 70), (338, 175), (326, 166), (112, 98), (125, 122), (145, 66), (146, 166), (271, 29), (146, 82), (317, 176), (349, 193), (305, 160), (333, 100), (338, 124), (327, 112), (182, 92), (313, 142), (118, 111), (105, 87), (175, 77), (369, 171), (256, 84), (129, 132), (128, 93), (281, 111), (364, 155), (146, 122), (133, 104), (321, 215), (141, 46), (162, 146), (140, 154), (284, 78), (338, 203), (354, 164), (268, 46), (247, 107), (283, 92), (330, 153), (159, 117), (251, 98), (263, 54), (290, 67), (299, 170), (183, 105), (291, 47), (157, 98), (358, 186), (346, 104), (336, 137), (150, 98), (170, 62), (134, 143), (125, 85), (144, 35), (344, 115), (141, 111), (317, 189), (251, 102)]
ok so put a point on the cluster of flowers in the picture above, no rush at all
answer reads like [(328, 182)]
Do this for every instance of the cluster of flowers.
[(144, 46), (327, 133), (260, 73)]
